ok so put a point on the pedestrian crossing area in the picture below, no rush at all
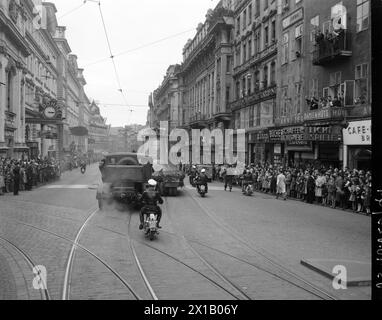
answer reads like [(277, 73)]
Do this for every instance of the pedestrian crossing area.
[(73, 186), (210, 188)]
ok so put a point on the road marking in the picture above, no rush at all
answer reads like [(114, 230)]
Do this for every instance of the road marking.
[(210, 188), (74, 186)]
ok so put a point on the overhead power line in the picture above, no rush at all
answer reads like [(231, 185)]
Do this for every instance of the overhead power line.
[(111, 53), (140, 47), (47, 26)]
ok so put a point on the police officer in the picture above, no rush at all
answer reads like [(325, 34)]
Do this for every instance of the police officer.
[(150, 198), (202, 180)]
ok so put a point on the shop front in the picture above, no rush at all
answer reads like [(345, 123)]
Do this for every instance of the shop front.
[(260, 149), (357, 145), (318, 145)]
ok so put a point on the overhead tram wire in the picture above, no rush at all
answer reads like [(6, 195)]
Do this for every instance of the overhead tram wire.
[(60, 17), (111, 53), (140, 47)]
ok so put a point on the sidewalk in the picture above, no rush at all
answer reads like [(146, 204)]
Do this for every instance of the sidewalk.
[(297, 200)]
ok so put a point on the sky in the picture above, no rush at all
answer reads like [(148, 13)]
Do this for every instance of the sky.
[(131, 25)]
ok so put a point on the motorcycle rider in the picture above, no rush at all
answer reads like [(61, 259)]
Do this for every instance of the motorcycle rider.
[(247, 179), (193, 174), (202, 180), (150, 198)]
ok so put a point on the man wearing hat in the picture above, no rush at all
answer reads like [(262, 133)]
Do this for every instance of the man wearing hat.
[(150, 198), (202, 180)]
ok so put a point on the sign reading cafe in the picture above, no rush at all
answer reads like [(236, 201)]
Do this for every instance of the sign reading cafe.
[(358, 133)]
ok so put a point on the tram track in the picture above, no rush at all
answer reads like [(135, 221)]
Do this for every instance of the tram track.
[(70, 260), (84, 249), (312, 289), (44, 291)]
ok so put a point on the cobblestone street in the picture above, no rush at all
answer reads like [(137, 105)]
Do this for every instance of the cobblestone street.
[(226, 246)]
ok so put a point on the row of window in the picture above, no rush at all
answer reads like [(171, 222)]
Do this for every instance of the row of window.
[(258, 115), (350, 91), (254, 82), (259, 41), (201, 95), (245, 18)]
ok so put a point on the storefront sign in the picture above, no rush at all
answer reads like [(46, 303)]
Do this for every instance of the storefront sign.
[(260, 136), (277, 149), (287, 134), (358, 133), (293, 18), (298, 135), (322, 114)]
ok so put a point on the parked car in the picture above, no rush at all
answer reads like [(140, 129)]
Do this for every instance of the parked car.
[(169, 178), (123, 178)]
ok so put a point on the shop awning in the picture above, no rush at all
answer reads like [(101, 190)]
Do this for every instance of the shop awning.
[(79, 131)]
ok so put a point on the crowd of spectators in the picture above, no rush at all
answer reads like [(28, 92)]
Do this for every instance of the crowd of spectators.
[(326, 186), (23, 175)]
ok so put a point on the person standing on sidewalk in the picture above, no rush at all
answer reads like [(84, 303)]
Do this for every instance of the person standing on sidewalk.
[(2, 180), (16, 179), (310, 186), (281, 185)]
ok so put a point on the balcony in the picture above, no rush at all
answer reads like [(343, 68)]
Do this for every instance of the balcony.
[(265, 93), (332, 47), (198, 121), (336, 114)]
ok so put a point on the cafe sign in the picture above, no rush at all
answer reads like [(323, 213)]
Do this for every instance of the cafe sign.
[(358, 133)]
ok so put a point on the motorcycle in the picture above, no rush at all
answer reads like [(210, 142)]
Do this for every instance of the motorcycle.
[(151, 225), (202, 190), (248, 190), (192, 181)]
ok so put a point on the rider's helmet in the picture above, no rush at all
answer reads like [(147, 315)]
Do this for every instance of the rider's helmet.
[(203, 171), (152, 183)]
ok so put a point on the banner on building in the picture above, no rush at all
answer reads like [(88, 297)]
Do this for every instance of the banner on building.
[(358, 133)]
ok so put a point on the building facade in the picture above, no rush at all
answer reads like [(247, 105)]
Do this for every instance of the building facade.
[(207, 71), (44, 111), (14, 50), (339, 69), (207, 86), (255, 75), (166, 99), (98, 131), (295, 74)]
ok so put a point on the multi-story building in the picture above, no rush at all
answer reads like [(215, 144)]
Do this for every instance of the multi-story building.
[(339, 69), (124, 139), (14, 49), (44, 110), (41, 128), (291, 79), (207, 72), (255, 45), (293, 73), (329, 54), (98, 131), (166, 99)]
